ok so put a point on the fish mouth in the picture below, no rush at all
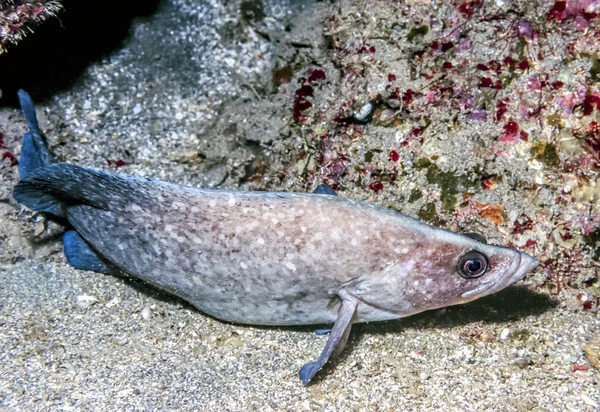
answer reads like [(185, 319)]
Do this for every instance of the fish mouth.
[(522, 265), (526, 264)]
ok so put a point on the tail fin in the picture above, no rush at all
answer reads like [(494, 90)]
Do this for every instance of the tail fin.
[(34, 153)]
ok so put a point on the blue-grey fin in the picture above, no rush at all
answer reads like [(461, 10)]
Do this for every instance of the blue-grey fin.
[(28, 110), (81, 256), (337, 338), (34, 153), (38, 200), (324, 190), (321, 332)]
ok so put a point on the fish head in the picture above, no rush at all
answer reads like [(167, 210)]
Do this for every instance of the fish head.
[(462, 268), (440, 269)]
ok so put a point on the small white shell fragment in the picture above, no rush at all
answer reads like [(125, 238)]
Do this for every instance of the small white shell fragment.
[(505, 334), (146, 313), (85, 301), (113, 302), (364, 112), (589, 401)]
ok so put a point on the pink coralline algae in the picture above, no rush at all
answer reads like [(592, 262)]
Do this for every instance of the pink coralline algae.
[(523, 65), (376, 186), (557, 12), (582, 11), (525, 30), (511, 130), (11, 157), (394, 156), (303, 94), (589, 103), (501, 109)]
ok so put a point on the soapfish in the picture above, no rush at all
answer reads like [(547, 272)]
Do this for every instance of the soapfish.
[(261, 258)]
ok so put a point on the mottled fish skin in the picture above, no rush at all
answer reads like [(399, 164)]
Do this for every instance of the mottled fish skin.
[(270, 258)]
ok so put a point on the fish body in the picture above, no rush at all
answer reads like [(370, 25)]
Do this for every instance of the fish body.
[(264, 258)]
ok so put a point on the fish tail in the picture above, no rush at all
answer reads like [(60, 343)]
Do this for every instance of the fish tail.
[(35, 152)]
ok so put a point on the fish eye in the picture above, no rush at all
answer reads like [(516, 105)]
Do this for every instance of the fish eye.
[(472, 264), (477, 236)]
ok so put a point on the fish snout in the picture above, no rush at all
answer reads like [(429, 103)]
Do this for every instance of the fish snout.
[(527, 264)]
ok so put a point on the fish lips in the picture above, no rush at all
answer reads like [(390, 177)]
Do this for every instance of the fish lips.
[(522, 265)]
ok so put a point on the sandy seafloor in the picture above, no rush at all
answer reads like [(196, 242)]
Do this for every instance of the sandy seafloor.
[(188, 97)]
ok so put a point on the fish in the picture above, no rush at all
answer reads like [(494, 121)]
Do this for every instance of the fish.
[(261, 258)]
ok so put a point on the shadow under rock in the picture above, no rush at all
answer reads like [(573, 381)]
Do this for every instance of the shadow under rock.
[(55, 55)]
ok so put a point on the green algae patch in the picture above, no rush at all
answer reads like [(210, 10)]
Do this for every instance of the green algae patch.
[(595, 67), (592, 239), (545, 153), (417, 31), (370, 153), (449, 202), (415, 195), (422, 163), (428, 213), (555, 120), (450, 184)]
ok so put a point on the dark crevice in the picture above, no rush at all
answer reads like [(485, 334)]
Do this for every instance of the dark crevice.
[(55, 55)]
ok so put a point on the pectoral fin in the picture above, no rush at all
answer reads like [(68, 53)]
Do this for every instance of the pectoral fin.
[(337, 337)]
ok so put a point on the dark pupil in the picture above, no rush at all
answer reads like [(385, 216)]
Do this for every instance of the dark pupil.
[(474, 266)]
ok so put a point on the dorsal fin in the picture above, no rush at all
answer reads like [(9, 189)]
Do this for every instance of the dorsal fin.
[(324, 190)]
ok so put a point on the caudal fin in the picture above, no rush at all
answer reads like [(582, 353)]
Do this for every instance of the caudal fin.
[(34, 153)]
